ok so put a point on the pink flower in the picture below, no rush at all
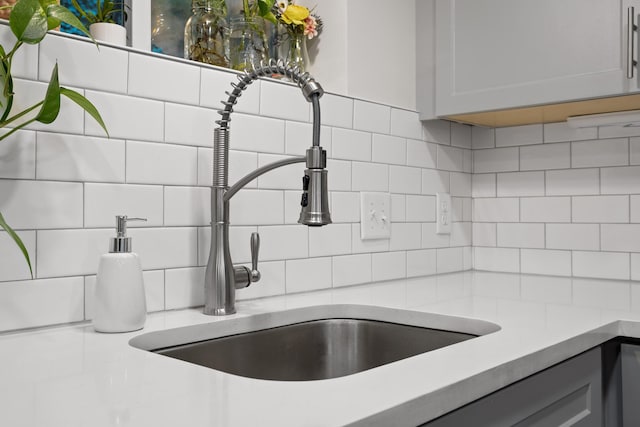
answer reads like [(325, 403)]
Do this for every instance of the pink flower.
[(310, 26)]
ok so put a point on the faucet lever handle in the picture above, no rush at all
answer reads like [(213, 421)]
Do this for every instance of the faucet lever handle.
[(255, 248)]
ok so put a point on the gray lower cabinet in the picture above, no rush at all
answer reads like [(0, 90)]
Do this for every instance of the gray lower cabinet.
[(630, 380), (568, 394)]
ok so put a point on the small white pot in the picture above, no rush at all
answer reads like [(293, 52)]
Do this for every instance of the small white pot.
[(110, 33)]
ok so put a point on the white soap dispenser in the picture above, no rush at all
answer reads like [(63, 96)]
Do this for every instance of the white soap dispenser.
[(120, 304)]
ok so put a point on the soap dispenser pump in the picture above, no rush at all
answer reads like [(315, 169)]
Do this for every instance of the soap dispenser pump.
[(120, 304)]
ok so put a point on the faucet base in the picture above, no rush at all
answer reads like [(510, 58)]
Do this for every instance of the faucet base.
[(219, 311)]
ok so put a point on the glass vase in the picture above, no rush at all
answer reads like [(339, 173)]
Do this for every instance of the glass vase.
[(298, 55), (205, 33), (247, 43)]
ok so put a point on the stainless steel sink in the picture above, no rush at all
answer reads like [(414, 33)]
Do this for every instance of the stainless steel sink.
[(323, 347)]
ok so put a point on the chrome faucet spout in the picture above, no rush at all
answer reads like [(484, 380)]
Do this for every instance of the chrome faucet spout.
[(222, 278)]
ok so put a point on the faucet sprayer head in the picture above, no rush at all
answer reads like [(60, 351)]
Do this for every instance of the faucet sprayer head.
[(315, 192)]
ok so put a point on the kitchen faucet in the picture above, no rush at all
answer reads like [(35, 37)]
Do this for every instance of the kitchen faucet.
[(222, 278)]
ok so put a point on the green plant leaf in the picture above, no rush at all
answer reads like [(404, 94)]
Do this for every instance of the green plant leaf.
[(51, 106), (17, 240), (62, 14), (28, 21), (86, 106), (6, 82)]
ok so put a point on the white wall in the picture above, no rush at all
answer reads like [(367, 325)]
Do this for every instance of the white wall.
[(62, 185), (548, 199)]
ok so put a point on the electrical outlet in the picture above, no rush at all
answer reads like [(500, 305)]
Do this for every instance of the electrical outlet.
[(375, 216), (443, 203)]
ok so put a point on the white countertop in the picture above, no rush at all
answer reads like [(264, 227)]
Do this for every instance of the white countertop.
[(72, 376)]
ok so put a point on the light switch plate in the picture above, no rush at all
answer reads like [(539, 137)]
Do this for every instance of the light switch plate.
[(375, 216), (443, 218)]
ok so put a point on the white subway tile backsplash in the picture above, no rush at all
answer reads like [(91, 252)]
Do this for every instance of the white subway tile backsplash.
[(437, 131), (189, 125), (431, 239), (460, 135), (618, 131), (257, 207), (496, 160), (484, 234), (173, 247), (102, 202), (451, 158), (482, 137), (184, 287), (635, 209), (496, 210), (520, 235), (449, 260), (621, 237), (420, 209), (339, 175), (239, 244), (541, 261), (460, 184), (398, 208), (607, 152), (370, 177), (461, 234), (345, 207), (156, 78), (520, 184), (299, 137), (573, 236), (304, 275), (71, 252), (388, 266), (337, 110), (496, 259), (404, 179), (621, 180), (519, 135), (405, 236), (421, 263), (545, 209), (405, 124), (41, 302), (575, 182), (285, 242), (149, 163), (12, 263), (351, 144), (77, 158), (634, 151), (351, 270), (41, 204), (421, 154), (24, 58), (286, 177), (598, 209), (435, 181), (635, 266), (240, 164), (483, 185), (283, 101), (18, 156), (560, 132), (214, 84), (254, 133), (103, 69), (361, 246), (389, 149), (331, 240), (187, 206), (371, 117), (126, 117), (605, 265), (548, 156), (272, 282)]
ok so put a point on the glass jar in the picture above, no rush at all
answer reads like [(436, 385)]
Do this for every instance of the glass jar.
[(205, 33), (247, 43)]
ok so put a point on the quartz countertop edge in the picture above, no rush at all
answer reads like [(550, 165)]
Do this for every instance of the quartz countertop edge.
[(72, 376)]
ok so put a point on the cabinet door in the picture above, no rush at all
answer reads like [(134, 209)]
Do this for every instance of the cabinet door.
[(496, 54), (568, 394)]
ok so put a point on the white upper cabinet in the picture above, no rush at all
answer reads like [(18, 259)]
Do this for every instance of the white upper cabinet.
[(497, 54)]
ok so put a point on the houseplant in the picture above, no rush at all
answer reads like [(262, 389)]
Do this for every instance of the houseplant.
[(300, 24), (102, 24), (29, 22), (248, 42)]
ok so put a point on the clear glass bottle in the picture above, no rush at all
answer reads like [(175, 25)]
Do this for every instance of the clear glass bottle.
[(205, 33), (247, 43)]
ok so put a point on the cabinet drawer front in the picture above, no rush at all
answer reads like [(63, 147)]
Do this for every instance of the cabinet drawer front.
[(568, 394)]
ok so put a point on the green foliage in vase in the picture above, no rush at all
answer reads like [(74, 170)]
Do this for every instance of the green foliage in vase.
[(105, 12), (29, 22), (262, 8)]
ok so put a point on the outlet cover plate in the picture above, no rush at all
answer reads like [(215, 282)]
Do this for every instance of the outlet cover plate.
[(443, 206), (375, 216)]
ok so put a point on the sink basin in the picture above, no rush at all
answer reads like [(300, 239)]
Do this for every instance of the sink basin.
[(312, 343)]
